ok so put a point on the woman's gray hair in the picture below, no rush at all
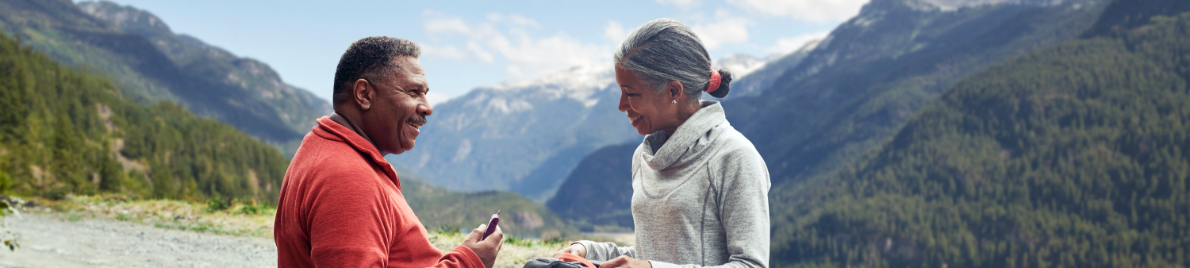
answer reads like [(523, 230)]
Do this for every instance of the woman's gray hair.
[(666, 50)]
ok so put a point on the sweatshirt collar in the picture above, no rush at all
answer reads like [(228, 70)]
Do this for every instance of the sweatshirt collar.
[(687, 142), (345, 135)]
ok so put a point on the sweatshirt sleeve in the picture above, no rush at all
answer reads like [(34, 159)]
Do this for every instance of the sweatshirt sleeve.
[(460, 257), (744, 208), (605, 251)]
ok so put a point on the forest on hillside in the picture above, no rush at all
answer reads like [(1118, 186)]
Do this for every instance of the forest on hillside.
[(65, 132), (1072, 156)]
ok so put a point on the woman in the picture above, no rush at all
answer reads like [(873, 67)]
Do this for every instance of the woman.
[(699, 188)]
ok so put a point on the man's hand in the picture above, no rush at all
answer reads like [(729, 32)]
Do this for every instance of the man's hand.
[(626, 262), (486, 249), (575, 249)]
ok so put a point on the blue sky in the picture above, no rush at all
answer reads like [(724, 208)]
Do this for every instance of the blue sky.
[(466, 44)]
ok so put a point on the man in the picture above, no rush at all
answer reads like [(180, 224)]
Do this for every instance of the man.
[(341, 203)]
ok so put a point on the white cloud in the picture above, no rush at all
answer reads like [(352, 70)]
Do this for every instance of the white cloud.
[(615, 32), (480, 52), (513, 19), (509, 37), (687, 4), (446, 25), (807, 10), (449, 52), (725, 29), (789, 44), (434, 98)]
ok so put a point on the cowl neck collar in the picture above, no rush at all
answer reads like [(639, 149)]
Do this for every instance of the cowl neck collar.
[(689, 141), (334, 131)]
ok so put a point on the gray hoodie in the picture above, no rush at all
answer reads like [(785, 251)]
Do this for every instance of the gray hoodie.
[(699, 198)]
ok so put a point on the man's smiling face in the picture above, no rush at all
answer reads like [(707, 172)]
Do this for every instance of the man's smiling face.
[(399, 108)]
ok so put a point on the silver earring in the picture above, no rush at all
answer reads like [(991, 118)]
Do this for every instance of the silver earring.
[(675, 102)]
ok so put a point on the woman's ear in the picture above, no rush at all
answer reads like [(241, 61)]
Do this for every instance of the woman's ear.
[(361, 94), (675, 89)]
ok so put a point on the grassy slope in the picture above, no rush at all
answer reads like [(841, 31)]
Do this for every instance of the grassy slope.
[(1072, 156)]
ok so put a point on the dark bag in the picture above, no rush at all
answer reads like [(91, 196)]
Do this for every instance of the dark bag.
[(563, 261)]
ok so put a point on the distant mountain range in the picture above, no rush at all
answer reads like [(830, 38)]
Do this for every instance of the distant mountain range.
[(521, 136), (527, 136), (148, 62), (878, 69)]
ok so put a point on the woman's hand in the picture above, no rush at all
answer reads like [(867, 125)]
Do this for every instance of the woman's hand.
[(626, 262), (576, 249)]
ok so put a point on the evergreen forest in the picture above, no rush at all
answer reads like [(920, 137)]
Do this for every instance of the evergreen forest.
[(66, 132), (1076, 155)]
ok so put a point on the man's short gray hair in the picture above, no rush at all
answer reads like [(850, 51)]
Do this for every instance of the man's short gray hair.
[(666, 50), (369, 58)]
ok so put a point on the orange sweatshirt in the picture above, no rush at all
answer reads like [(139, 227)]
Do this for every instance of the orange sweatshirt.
[(341, 206)]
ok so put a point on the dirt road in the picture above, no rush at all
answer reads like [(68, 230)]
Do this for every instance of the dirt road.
[(54, 241)]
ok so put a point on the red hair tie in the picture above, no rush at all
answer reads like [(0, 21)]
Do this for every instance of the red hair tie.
[(714, 84)]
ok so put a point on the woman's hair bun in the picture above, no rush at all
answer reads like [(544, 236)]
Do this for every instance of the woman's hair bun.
[(724, 84)]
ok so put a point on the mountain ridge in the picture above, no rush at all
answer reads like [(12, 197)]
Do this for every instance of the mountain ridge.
[(1073, 156), (526, 136), (149, 63)]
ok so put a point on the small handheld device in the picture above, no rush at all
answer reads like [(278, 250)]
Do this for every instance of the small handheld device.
[(491, 225)]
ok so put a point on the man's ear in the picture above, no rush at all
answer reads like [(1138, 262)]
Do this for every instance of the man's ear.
[(361, 93), (675, 89)]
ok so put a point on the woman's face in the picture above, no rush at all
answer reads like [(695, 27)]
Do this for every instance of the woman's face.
[(648, 109)]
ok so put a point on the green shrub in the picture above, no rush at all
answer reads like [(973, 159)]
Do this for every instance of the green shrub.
[(216, 204)]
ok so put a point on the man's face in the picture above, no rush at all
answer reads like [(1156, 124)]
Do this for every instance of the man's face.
[(399, 108)]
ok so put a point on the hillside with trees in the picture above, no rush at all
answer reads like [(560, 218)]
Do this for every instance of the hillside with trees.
[(66, 132), (1070, 156), (598, 193), (147, 62)]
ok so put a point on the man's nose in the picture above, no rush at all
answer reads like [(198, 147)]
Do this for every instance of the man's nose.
[(424, 108)]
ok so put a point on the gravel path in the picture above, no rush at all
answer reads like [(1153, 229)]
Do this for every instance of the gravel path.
[(50, 240)]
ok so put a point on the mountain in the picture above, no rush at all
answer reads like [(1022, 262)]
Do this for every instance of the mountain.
[(66, 132), (438, 207), (598, 193), (856, 88), (1071, 156), (149, 63), (521, 136), (527, 136), (759, 74), (860, 85)]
